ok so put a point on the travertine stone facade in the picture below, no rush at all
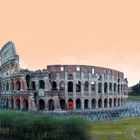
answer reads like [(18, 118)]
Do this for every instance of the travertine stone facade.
[(59, 87)]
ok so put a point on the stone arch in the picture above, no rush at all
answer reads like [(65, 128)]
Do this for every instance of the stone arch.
[(100, 103), (41, 84), (110, 102), (78, 103), (6, 103), (93, 86), (54, 85), (105, 87), (18, 85), (115, 102), (115, 86), (119, 102), (12, 85), (7, 86), (62, 104), (110, 87), (33, 85), (99, 87), (78, 86), (25, 104), (18, 104), (86, 104), (70, 86), (41, 104), (93, 103), (12, 103), (86, 85), (51, 104), (70, 104), (105, 103), (118, 88), (62, 86), (28, 80)]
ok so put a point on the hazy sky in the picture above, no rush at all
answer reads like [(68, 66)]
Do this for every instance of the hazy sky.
[(97, 32)]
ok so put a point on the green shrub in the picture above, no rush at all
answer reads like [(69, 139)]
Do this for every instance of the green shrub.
[(28, 126)]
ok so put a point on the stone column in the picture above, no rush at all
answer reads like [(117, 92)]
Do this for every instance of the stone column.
[(82, 104), (66, 84), (21, 103), (89, 104)]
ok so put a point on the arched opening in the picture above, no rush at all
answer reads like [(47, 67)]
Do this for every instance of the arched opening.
[(7, 103), (70, 104), (41, 84), (86, 86), (100, 88), (28, 80), (105, 87), (110, 102), (118, 101), (114, 102), (78, 104), (12, 85), (7, 86), (118, 88), (62, 86), (70, 86), (110, 87), (105, 103), (35, 97), (25, 104), (93, 103), (33, 85), (18, 85), (18, 104), (114, 87), (121, 101), (100, 103), (12, 103), (41, 104), (92, 86), (62, 104), (70, 77), (86, 104), (78, 86), (51, 104), (54, 85)]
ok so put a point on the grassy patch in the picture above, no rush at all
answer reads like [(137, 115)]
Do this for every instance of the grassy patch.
[(120, 129), (134, 98)]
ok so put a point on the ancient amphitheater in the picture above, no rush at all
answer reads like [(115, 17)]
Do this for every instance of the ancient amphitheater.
[(58, 87)]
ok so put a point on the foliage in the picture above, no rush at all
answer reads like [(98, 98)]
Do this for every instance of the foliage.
[(28, 126), (135, 89)]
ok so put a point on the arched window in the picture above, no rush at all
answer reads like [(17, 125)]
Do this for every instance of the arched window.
[(100, 88), (18, 85), (86, 86), (25, 104), (93, 103), (33, 85), (78, 104), (105, 103), (12, 85), (86, 104), (41, 84), (41, 104), (62, 104), (118, 88), (51, 104), (62, 86), (54, 85), (28, 80), (105, 87), (114, 87), (110, 102), (7, 86), (100, 103), (18, 104), (70, 104), (92, 86), (110, 86), (78, 86), (70, 86)]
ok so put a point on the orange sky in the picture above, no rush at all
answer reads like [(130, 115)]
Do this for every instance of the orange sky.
[(97, 32)]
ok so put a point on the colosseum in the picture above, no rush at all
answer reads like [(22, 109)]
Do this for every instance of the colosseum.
[(58, 87)]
